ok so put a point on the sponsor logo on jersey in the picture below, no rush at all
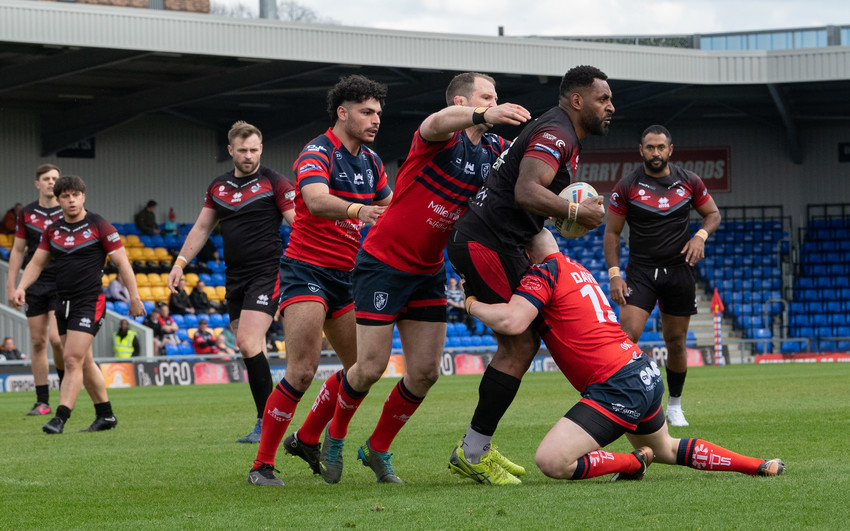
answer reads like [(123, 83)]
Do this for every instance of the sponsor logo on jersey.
[(485, 170), (263, 300), (255, 188), (530, 283), (550, 136), (547, 149), (33, 217), (642, 195), (561, 143), (343, 177), (680, 191), (469, 168), (315, 147), (338, 155), (663, 203), (87, 234), (237, 197), (308, 167), (380, 300), (675, 184), (370, 177), (313, 287), (614, 198), (222, 188), (290, 195), (69, 240), (358, 178), (86, 322), (114, 237)]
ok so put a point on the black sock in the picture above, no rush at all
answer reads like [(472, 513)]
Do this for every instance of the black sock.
[(42, 394), (260, 380), (495, 394), (675, 382), (63, 412), (104, 409), (61, 373)]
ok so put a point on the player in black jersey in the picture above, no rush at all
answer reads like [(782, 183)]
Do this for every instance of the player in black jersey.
[(32, 220), (78, 242), (249, 202), (488, 244), (656, 201)]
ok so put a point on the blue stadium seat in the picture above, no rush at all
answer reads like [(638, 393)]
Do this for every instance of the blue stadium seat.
[(190, 320), (149, 305), (397, 343), (216, 320), (183, 334), (179, 320), (121, 307), (110, 305), (187, 348), (791, 347), (691, 339), (217, 279), (172, 350), (206, 278)]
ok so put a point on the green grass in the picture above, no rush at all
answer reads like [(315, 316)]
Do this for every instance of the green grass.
[(172, 463)]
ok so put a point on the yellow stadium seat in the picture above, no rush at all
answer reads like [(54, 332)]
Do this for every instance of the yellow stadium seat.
[(133, 241), (217, 331), (191, 279), (160, 294), (221, 292), (142, 280), (104, 281), (154, 279), (145, 294), (134, 254), (148, 254), (112, 276), (164, 277), (161, 252), (6, 240), (191, 332), (210, 291), (281, 345)]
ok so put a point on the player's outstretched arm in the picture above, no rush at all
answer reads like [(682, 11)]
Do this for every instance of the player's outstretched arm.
[(510, 318), (440, 126)]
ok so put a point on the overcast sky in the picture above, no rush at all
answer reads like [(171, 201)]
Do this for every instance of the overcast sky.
[(579, 17)]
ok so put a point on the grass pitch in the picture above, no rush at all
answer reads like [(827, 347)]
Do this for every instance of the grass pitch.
[(173, 462)]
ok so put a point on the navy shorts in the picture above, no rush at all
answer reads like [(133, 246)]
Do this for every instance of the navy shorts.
[(629, 401), (82, 314), (303, 281), (383, 294), (259, 292), (489, 275), (41, 298), (674, 287)]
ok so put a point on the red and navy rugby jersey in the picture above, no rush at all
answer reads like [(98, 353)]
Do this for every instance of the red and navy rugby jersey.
[(250, 211), (334, 243), (580, 329), (432, 189), (493, 217), (79, 251), (658, 211), (31, 222)]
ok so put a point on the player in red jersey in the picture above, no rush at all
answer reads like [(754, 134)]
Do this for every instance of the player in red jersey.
[(79, 242), (621, 387), (487, 246), (249, 202), (656, 201), (400, 277), (32, 220), (341, 186)]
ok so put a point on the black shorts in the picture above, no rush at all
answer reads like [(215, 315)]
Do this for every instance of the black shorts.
[(383, 294), (629, 401), (489, 275), (303, 281), (41, 298), (252, 291), (673, 287), (82, 314)]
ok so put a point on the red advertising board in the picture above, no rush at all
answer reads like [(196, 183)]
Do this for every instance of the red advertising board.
[(603, 169)]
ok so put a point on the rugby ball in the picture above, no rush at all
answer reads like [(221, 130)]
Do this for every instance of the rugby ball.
[(575, 193)]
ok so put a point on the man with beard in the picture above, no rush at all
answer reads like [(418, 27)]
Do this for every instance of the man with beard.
[(250, 202), (341, 186), (488, 244), (656, 201)]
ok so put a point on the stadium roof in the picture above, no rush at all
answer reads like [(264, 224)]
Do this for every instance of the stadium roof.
[(88, 68)]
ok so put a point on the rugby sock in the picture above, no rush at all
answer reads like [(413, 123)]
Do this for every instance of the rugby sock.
[(42, 394), (61, 374), (495, 394), (474, 445), (63, 412), (276, 418), (676, 382), (347, 402), (260, 380), (703, 455), (600, 462), (104, 409), (322, 411), (398, 408)]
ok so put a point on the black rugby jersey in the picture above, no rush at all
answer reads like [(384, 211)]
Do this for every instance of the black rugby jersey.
[(250, 211), (79, 251), (31, 222), (658, 211), (493, 217)]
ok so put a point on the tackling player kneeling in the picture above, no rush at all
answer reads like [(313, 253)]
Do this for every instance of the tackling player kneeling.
[(621, 387)]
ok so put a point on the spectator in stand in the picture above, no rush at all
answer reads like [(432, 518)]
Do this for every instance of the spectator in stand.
[(9, 351), (204, 341), (152, 322), (167, 326), (227, 339), (116, 291), (454, 302), (10, 219), (146, 219), (201, 301), (170, 226), (125, 343), (180, 302)]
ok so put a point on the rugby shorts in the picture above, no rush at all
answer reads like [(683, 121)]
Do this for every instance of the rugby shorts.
[(303, 282), (82, 314), (673, 287)]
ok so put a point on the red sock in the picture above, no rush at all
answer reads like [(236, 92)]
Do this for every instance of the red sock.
[(277, 415), (703, 455), (399, 407), (600, 462), (322, 411), (347, 402)]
